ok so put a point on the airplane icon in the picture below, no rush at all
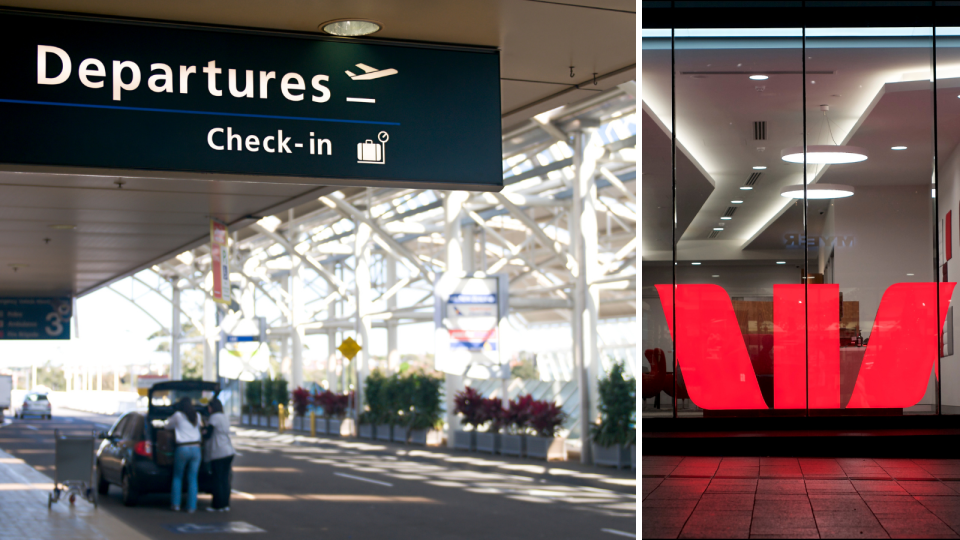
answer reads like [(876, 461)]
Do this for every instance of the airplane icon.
[(370, 73)]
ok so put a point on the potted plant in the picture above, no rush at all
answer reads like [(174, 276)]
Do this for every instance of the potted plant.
[(468, 404), (251, 406), (334, 410), (423, 419), (301, 400), (517, 421), (375, 411), (492, 416), (616, 431), (546, 419)]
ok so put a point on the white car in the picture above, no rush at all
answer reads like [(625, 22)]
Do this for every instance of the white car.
[(35, 404)]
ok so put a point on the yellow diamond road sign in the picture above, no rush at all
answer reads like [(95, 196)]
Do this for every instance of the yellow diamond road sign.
[(349, 348)]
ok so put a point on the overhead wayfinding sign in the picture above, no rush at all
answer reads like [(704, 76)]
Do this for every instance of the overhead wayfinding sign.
[(468, 313), (35, 318), (134, 97)]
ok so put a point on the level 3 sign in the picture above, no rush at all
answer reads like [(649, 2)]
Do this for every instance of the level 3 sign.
[(35, 318)]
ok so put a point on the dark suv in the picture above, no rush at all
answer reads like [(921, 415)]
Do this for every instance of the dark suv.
[(137, 453)]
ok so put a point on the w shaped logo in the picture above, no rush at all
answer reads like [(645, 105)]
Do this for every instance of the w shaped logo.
[(902, 349)]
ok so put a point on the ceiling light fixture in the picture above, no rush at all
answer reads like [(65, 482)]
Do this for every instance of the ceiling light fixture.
[(825, 154), (746, 188), (351, 27), (758, 77), (781, 262), (718, 228), (735, 202), (909, 274), (716, 275), (725, 218), (695, 263), (759, 168), (898, 147), (818, 191)]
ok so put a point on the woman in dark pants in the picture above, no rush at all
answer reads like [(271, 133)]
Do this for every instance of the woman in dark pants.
[(219, 452)]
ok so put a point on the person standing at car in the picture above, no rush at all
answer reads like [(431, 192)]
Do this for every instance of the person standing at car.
[(185, 424), (220, 452)]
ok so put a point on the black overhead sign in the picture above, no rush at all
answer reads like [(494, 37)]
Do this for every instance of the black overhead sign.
[(127, 96)]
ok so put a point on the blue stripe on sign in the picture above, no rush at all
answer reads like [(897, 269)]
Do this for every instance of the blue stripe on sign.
[(206, 113), (472, 345)]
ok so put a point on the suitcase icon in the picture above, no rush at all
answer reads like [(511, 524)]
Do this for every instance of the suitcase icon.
[(369, 151)]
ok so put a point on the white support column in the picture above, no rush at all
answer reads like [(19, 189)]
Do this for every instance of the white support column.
[(211, 334), (584, 244), (176, 366), (331, 365), (393, 326), (452, 211), (361, 362), (99, 375), (296, 318)]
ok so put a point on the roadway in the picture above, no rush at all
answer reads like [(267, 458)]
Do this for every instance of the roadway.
[(351, 489)]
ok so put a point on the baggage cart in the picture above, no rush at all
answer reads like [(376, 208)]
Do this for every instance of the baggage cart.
[(74, 467)]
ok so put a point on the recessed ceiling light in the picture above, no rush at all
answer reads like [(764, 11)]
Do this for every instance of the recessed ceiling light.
[(898, 147), (746, 188), (695, 263), (817, 191), (716, 275), (758, 77), (718, 228), (909, 274), (735, 202), (760, 168), (616, 114), (62, 226), (726, 218), (824, 154), (350, 27), (781, 262)]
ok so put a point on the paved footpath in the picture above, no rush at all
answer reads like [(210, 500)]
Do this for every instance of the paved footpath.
[(755, 497), (24, 514)]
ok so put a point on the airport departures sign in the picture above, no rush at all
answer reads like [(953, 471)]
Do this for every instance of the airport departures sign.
[(133, 97)]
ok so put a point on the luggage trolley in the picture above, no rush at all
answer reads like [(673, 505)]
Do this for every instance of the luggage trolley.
[(74, 464)]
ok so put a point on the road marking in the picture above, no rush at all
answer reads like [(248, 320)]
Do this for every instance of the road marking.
[(361, 100), (244, 495), (362, 479), (620, 533), (28, 426)]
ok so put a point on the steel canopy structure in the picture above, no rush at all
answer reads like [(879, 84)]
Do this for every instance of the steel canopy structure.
[(563, 230)]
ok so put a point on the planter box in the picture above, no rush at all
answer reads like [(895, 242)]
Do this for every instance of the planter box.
[(274, 422), (399, 434), (300, 423), (384, 432), (512, 445), (426, 437), (366, 431), (488, 442), (465, 440), (262, 420), (613, 456), (548, 448), (340, 427), (245, 419)]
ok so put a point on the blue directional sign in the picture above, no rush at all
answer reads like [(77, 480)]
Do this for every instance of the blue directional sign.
[(242, 339), (35, 318)]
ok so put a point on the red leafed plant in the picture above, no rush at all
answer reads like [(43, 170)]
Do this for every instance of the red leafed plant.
[(546, 418), (469, 404), (492, 413), (334, 405), (301, 399), (518, 413)]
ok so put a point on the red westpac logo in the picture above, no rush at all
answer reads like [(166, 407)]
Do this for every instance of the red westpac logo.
[(902, 349)]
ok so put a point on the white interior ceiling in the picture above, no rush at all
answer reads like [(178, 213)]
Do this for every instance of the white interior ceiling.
[(119, 230), (879, 95)]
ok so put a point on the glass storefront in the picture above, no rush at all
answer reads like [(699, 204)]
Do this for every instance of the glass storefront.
[(801, 206)]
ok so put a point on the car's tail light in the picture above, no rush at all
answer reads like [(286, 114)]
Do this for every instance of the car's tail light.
[(143, 448)]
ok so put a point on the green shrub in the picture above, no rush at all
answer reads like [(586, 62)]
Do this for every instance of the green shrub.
[(376, 411), (252, 398), (617, 409)]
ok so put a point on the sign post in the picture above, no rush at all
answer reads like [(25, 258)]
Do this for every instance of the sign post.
[(349, 349)]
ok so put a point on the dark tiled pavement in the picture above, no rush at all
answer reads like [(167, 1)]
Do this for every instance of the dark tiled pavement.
[(755, 497)]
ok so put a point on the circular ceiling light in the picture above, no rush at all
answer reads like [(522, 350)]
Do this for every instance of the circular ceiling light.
[(824, 154), (758, 77), (350, 27), (898, 147), (818, 191)]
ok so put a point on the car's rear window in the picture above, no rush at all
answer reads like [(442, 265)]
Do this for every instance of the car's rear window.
[(37, 397)]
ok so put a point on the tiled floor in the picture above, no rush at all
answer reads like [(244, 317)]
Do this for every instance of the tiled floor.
[(755, 497)]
